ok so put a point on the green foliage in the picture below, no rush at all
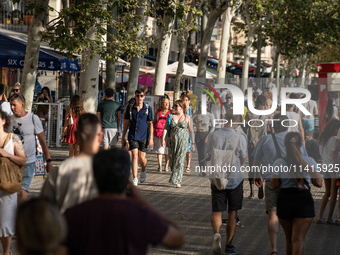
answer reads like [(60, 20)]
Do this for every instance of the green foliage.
[(71, 38), (299, 27)]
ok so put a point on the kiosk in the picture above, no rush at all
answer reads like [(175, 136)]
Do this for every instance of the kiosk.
[(329, 86)]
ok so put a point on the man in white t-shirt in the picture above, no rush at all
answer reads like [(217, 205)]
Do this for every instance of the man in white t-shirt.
[(27, 126), (308, 120)]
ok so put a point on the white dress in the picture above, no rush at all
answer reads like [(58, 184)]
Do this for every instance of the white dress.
[(8, 204)]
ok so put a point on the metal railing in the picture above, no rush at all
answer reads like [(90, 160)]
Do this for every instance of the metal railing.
[(53, 125)]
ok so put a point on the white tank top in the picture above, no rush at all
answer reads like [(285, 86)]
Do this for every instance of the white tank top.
[(9, 146), (293, 116)]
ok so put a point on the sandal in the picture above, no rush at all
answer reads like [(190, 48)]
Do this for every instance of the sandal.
[(337, 221), (187, 169), (332, 222), (273, 252), (320, 222), (178, 186)]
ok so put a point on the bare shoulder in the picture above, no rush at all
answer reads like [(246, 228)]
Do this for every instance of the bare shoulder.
[(15, 138), (17, 142)]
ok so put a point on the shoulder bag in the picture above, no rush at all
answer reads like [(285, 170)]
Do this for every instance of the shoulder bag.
[(10, 174)]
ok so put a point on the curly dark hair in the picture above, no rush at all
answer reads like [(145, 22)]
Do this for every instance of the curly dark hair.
[(4, 116), (331, 129)]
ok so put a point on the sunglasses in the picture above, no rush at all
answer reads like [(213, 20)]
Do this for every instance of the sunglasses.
[(140, 96), (15, 90), (176, 105)]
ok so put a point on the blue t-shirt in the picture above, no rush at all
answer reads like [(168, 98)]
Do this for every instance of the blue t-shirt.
[(138, 129), (265, 149), (287, 179)]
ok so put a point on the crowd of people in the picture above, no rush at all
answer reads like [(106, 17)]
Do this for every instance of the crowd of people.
[(92, 198)]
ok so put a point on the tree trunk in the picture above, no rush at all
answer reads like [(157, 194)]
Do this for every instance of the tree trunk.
[(222, 60), (135, 61), (110, 64), (162, 57), (205, 44), (302, 72), (180, 67), (29, 73), (259, 55), (277, 53), (88, 85), (182, 53), (278, 72), (204, 20), (245, 69)]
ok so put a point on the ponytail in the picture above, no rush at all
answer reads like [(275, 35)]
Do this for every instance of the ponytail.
[(294, 160)]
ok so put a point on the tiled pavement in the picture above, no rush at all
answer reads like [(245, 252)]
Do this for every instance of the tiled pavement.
[(190, 208)]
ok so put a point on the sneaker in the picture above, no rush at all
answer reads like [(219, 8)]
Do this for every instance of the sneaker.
[(143, 176), (166, 169), (159, 169), (230, 249), (216, 247), (135, 181)]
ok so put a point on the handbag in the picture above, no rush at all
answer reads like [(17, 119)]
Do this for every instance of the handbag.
[(70, 120), (10, 174)]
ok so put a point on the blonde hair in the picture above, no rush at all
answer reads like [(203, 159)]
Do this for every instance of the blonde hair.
[(162, 101)]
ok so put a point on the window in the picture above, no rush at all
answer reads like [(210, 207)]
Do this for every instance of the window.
[(214, 35)]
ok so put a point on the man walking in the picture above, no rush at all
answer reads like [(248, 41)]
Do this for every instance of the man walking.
[(138, 118), (119, 220), (73, 182), (227, 197), (27, 126), (109, 112)]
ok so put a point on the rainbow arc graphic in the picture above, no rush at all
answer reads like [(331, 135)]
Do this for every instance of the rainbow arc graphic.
[(209, 93)]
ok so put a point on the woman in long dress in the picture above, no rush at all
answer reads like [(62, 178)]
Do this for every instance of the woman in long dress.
[(179, 126), (11, 148)]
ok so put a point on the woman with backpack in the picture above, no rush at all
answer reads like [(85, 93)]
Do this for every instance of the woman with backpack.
[(11, 148), (295, 204), (159, 121), (330, 158)]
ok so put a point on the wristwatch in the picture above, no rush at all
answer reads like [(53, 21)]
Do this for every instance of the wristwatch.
[(48, 160)]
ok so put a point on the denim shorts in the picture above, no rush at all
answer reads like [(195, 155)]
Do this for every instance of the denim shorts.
[(27, 176)]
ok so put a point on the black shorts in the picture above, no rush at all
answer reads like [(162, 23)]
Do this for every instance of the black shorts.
[(140, 145), (220, 198), (293, 203)]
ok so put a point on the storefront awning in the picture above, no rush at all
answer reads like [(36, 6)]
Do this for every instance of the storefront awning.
[(12, 55)]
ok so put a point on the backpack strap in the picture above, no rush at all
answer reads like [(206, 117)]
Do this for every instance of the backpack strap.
[(130, 110), (238, 138), (276, 146), (147, 109)]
